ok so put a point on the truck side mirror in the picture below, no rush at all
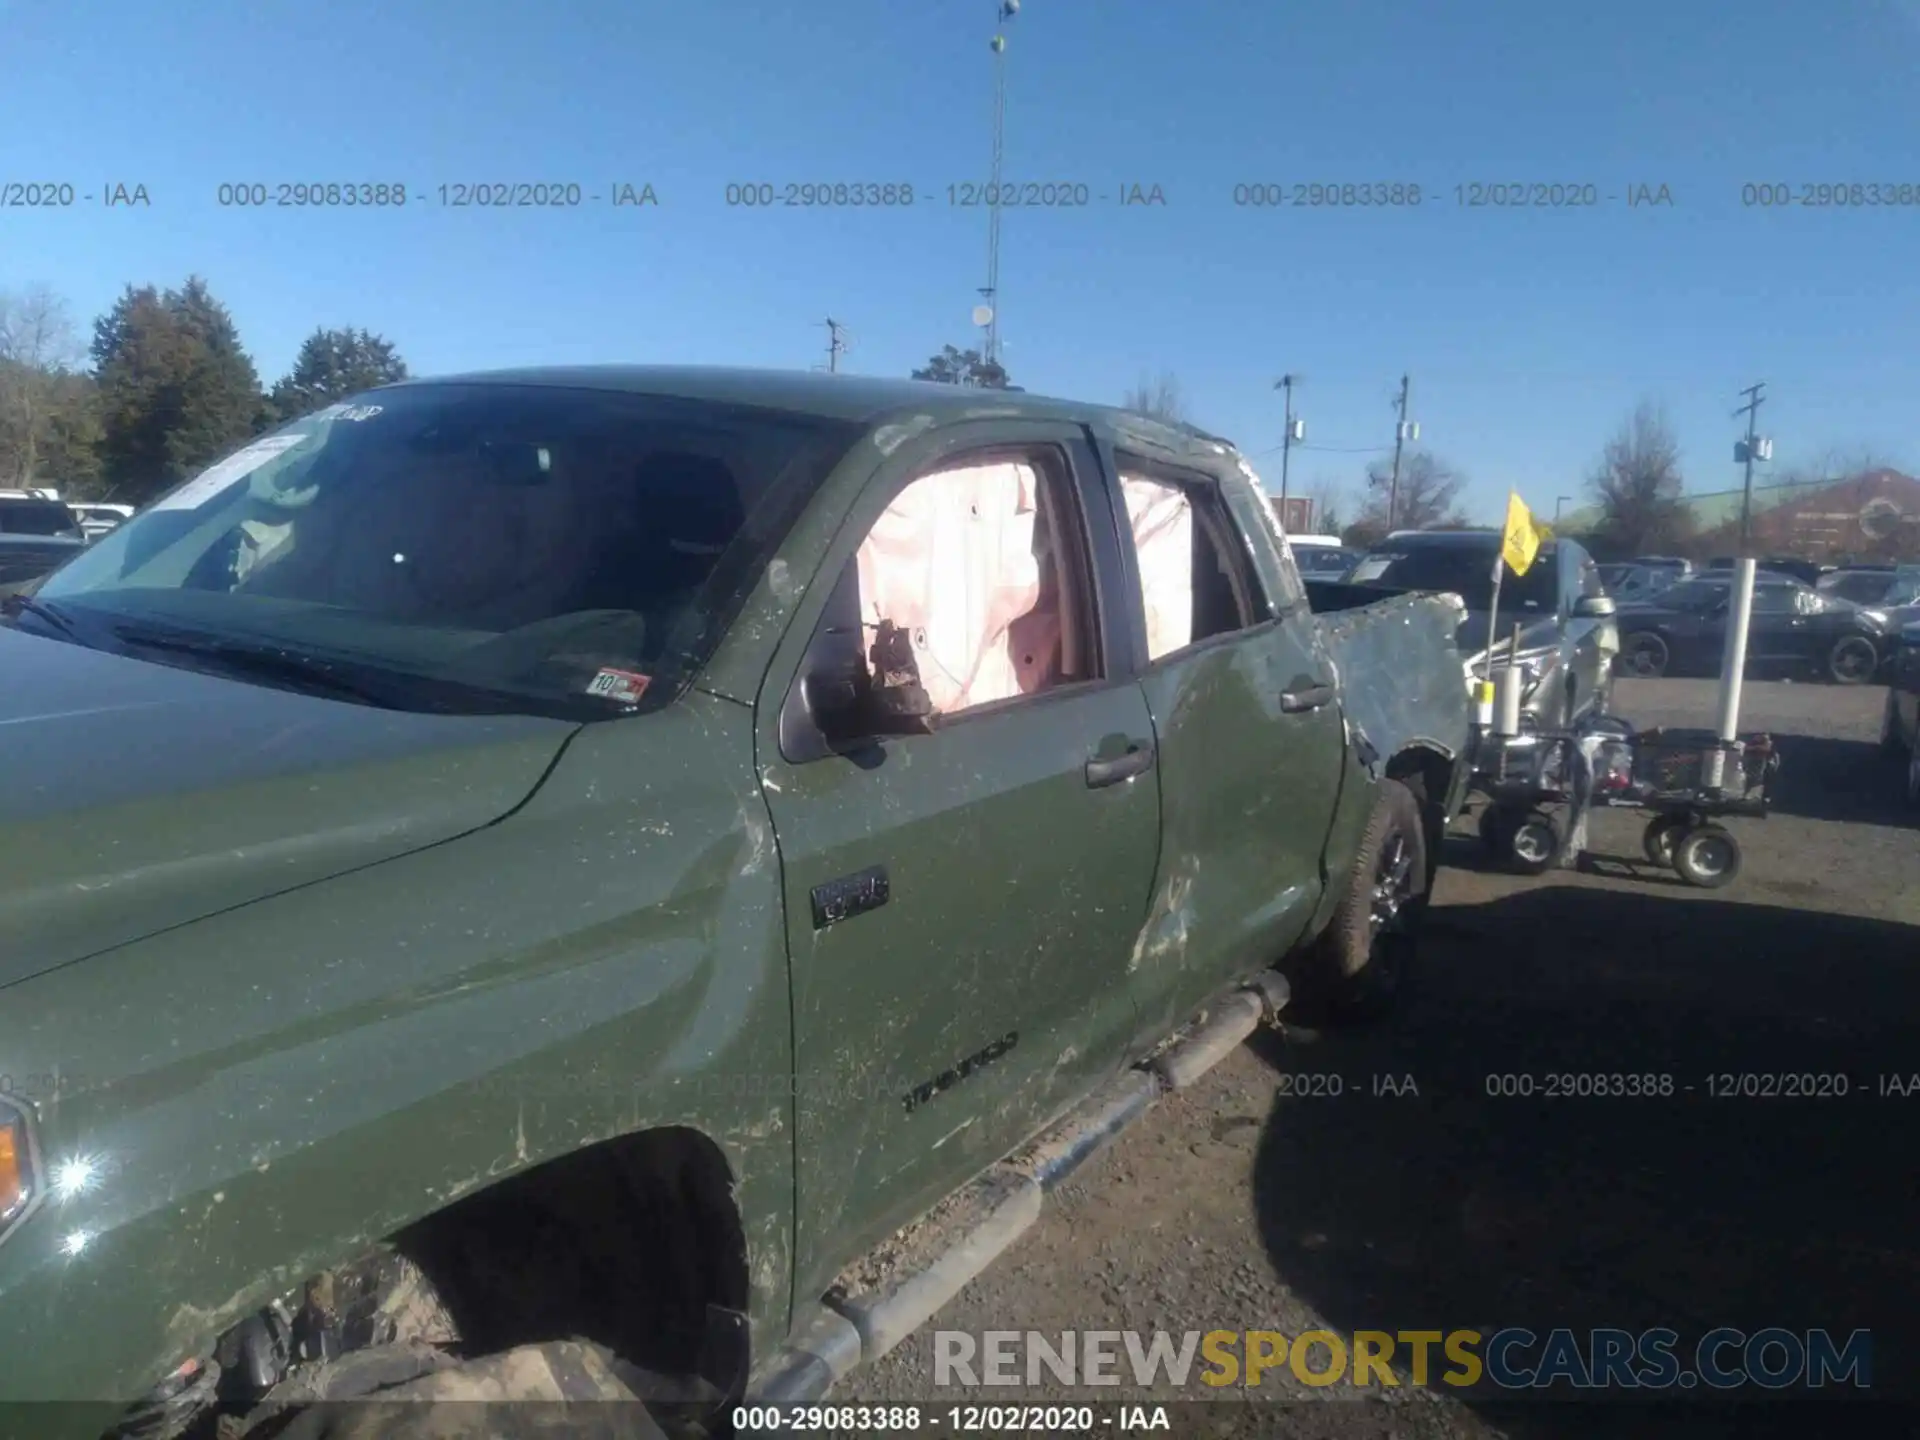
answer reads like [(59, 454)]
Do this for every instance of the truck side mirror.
[(1594, 607), (847, 710)]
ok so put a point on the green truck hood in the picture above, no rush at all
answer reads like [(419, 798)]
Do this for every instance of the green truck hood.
[(135, 796)]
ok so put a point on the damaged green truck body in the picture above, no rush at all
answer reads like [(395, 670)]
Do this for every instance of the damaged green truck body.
[(286, 974)]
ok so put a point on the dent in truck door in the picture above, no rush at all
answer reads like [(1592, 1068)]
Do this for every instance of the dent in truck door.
[(960, 904), (1251, 741)]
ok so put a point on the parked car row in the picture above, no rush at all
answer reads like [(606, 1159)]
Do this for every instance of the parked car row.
[(1682, 630)]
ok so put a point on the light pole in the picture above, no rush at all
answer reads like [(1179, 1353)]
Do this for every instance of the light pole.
[(1558, 501), (1402, 433), (1745, 452), (990, 292)]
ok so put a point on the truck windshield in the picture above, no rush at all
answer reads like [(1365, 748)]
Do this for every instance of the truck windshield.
[(463, 547), (1464, 570)]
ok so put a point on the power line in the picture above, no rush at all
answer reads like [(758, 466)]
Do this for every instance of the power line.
[(1326, 449)]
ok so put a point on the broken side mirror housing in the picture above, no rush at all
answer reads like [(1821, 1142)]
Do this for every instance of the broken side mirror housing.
[(849, 710)]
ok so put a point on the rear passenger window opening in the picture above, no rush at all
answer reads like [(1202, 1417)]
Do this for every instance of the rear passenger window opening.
[(1195, 577)]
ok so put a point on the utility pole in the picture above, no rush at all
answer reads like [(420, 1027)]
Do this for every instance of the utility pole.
[(1746, 452), (990, 292), (1401, 435), (836, 344), (1296, 430)]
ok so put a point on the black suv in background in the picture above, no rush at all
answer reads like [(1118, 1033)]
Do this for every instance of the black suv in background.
[(36, 535), (1567, 635), (1792, 627)]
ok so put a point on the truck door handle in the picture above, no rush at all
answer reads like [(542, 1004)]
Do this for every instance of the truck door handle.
[(1305, 694), (1137, 761)]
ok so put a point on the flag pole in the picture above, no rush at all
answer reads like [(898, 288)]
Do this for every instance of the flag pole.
[(1483, 694)]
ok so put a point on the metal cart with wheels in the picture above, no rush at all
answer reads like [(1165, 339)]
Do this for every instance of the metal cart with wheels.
[(1527, 780), (1672, 775)]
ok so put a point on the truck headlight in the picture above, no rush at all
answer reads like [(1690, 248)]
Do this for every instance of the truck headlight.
[(20, 1183)]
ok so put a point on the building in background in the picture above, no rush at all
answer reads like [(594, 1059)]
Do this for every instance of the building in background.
[(1296, 513), (1874, 516)]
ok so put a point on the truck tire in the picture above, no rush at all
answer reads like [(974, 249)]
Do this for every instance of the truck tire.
[(1360, 961)]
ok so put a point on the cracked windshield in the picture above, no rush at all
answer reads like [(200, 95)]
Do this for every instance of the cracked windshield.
[(996, 717)]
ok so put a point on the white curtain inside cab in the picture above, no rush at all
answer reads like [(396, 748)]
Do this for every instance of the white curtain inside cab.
[(1162, 521), (961, 562)]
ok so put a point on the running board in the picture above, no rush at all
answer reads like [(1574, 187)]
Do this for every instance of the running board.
[(844, 1332)]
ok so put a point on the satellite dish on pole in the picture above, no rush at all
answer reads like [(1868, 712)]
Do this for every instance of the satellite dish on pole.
[(983, 314)]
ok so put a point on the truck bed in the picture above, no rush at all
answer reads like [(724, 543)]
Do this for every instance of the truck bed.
[(1400, 670)]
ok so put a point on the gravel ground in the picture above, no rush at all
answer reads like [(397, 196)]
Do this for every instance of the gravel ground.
[(1260, 1200)]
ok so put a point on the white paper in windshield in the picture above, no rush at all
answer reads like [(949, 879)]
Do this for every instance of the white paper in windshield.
[(210, 482), (1371, 568)]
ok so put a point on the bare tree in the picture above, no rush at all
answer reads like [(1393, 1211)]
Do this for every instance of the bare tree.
[(1162, 398), (1331, 506), (1638, 488), (1427, 496), (39, 348)]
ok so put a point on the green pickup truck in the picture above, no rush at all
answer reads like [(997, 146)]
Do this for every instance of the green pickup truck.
[(638, 881)]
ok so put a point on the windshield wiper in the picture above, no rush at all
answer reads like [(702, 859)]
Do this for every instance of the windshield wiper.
[(92, 636), (306, 672)]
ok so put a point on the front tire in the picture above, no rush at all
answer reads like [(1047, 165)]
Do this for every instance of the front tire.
[(1852, 661), (1644, 656), (1359, 963)]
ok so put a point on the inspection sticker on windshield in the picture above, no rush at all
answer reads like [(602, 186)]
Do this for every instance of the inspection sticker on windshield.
[(626, 686), (210, 482)]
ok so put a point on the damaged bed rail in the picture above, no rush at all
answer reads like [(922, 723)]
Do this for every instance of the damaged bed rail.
[(847, 1331)]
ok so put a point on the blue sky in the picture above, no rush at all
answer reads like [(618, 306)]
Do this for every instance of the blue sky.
[(1528, 334)]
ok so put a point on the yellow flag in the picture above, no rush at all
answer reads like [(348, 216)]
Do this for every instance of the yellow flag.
[(1520, 541)]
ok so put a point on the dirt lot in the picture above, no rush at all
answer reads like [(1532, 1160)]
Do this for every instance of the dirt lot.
[(1249, 1204)]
